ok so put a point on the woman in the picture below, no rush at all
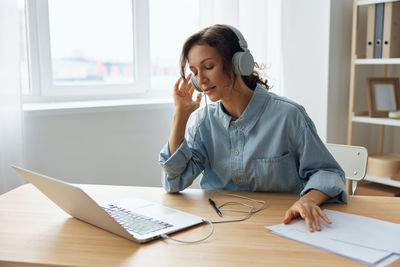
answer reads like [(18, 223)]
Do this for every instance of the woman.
[(248, 139)]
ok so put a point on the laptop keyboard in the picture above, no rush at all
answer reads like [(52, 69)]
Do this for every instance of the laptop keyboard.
[(134, 222)]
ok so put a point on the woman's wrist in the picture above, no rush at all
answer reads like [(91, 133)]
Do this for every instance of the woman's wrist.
[(315, 196), (177, 134), (182, 114)]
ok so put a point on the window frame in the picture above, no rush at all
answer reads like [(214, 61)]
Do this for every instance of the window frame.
[(42, 88)]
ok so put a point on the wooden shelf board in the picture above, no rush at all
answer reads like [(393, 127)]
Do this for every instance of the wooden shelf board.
[(379, 121), (368, 2), (376, 61), (382, 180)]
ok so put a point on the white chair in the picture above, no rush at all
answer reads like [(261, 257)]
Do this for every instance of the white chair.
[(353, 160)]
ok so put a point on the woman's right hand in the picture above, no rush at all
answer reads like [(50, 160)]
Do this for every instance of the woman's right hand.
[(183, 96)]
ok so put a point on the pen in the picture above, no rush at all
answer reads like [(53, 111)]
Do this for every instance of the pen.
[(215, 207)]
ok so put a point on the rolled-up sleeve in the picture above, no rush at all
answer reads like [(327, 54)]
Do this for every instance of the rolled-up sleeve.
[(176, 163), (318, 167), (184, 165)]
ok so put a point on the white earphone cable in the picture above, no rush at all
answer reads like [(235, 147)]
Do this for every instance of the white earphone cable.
[(195, 241)]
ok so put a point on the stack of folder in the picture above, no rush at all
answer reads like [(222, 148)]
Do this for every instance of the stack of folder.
[(383, 30)]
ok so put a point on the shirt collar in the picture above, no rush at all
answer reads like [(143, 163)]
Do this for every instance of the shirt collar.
[(250, 115)]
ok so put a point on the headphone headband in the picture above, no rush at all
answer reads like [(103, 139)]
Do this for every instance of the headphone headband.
[(242, 41)]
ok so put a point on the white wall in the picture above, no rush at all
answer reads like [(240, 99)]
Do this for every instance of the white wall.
[(10, 101), (101, 146), (339, 70), (306, 57), (317, 42)]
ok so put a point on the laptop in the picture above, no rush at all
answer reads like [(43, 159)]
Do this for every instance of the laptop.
[(132, 218)]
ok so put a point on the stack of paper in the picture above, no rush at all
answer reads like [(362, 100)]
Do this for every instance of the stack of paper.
[(368, 240)]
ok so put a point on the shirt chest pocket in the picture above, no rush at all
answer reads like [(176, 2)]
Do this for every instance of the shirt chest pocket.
[(277, 174)]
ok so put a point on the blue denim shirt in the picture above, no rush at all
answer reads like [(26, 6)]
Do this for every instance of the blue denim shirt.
[(272, 147)]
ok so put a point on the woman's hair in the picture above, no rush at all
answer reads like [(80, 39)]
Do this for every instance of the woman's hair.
[(227, 43)]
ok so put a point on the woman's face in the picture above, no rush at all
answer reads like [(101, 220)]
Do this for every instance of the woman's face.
[(207, 65)]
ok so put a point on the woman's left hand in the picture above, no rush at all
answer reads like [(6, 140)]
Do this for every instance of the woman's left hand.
[(308, 209)]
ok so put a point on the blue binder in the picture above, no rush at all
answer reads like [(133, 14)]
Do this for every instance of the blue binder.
[(380, 8)]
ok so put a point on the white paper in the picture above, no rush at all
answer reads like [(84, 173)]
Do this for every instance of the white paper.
[(369, 240), (367, 255), (387, 261), (359, 230)]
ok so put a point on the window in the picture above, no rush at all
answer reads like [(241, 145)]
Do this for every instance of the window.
[(91, 50), (23, 48), (167, 35), (87, 49), (109, 49)]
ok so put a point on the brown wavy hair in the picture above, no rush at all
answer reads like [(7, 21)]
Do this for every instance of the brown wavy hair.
[(227, 43)]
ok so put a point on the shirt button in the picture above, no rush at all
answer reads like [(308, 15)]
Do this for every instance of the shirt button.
[(236, 152)]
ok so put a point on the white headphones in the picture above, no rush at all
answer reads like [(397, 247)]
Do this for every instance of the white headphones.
[(242, 61)]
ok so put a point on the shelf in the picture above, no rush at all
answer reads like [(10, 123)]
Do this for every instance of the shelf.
[(376, 61), (362, 65), (382, 180), (368, 2), (380, 121)]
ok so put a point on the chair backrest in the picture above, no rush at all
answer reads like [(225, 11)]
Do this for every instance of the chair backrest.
[(352, 159)]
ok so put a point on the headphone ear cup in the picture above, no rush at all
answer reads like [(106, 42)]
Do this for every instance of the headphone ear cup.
[(243, 63), (193, 81)]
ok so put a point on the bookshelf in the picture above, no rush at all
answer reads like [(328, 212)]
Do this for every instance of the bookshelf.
[(359, 60)]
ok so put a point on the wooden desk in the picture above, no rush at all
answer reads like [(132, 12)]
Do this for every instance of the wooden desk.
[(34, 230)]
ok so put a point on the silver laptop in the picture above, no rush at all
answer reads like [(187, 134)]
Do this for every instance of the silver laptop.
[(135, 219)]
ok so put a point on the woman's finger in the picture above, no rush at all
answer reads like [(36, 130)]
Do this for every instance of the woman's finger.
[(176, 86), (315, 217), (323, 216), (190, 88), (290, 215), (198, 97), (308, 218), (186, 81)]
